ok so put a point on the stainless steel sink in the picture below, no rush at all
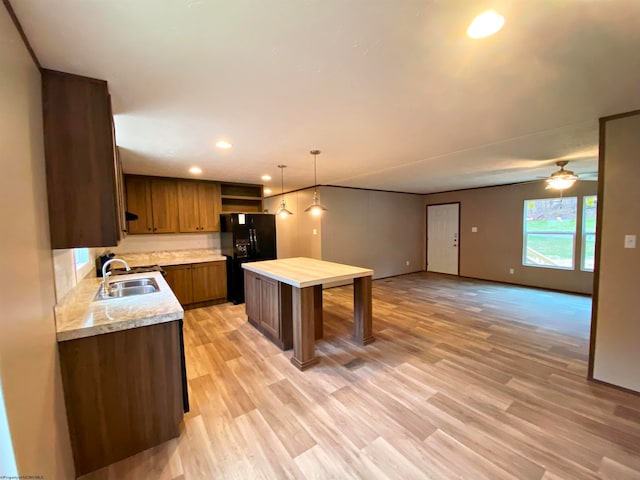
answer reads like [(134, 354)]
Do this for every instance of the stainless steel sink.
[(128, 288), (139, 282)]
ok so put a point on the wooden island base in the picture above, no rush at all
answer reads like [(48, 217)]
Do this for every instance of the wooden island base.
[(288, 292)]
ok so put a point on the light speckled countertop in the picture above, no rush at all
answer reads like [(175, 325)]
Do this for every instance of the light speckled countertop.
[(304, 272), (78, 316), (171, 257)]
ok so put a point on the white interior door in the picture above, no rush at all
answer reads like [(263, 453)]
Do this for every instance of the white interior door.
[(443, 238)]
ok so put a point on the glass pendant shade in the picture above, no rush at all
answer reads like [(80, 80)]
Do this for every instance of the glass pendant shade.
[(282, 211), (315, 208)]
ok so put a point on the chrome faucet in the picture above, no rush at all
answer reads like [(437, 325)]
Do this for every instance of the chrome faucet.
[(105, 274)]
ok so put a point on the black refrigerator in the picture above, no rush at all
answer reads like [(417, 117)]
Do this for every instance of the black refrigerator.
[(245, 237)]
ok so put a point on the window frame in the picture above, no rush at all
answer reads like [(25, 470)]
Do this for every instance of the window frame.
[(526, 233)]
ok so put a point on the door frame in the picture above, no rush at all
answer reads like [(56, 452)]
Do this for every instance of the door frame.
[(426, 232)]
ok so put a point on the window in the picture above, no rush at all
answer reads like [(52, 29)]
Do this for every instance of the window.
[(549, 232), (81, 256), (589, 208)]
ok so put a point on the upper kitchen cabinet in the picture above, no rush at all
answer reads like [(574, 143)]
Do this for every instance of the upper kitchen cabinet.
[(198, 206), (155, 202), (241, 198), (81, 165)]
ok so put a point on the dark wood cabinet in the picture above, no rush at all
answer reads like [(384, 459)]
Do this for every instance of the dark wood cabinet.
[(155, 202), (180, 280), (198, 283), (124, 392), (268, 308), (209, 281), (198, 206), (81, 164)]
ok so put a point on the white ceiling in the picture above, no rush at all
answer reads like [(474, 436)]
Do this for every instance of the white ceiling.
[(392, 91)]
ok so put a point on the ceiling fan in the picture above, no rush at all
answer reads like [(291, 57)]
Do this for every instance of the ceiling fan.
[(562, 179)]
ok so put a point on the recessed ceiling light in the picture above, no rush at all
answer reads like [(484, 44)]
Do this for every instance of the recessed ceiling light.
[(485, 24), (195, 170), (223, 144), (266, 178), (267, 191)]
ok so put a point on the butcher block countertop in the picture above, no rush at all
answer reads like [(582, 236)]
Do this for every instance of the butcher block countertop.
[(79, 316), (304, 272), (170, 257)]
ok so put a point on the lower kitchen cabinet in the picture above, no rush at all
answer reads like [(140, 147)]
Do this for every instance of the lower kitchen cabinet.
[(268, 307), (124, 392), (198, 283)]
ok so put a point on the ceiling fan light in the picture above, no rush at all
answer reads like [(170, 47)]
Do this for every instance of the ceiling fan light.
[(561, 182)]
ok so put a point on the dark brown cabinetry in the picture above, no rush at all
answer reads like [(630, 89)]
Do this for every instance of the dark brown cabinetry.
[(198, 206), (198, 283), (268, 308), (155, 202), (124, 392), (81, 165)]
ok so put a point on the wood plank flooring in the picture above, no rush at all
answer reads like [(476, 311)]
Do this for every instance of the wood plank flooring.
[(466, 379)]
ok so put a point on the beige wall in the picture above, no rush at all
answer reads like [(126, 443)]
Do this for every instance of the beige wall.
[(295, 235), (372, 229), (497, 245), (617, 338), (30, 374)]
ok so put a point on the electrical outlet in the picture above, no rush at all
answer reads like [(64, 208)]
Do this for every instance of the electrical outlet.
[(474, 229), (407, 263), (512, 271), (315, 231), (629, 241)]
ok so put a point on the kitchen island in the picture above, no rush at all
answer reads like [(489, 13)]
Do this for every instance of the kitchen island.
[(303, 278), (123, 370)]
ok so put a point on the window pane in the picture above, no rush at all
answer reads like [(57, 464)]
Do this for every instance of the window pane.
[(589, 214), (549, 250), (81, 256), (550, 215), (589, 249)]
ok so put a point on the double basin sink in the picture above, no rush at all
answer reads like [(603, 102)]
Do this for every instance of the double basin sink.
[(127, 288)]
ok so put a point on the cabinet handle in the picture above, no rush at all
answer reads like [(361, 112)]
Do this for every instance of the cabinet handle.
[(155, 229), (149, 228)]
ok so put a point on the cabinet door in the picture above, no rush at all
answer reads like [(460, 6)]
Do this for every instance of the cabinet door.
[(252, 295), (188, 207), (79, 161), (209, 206), (139, 203), (179, 279), (270, 306), (164, 205), (209, 281)]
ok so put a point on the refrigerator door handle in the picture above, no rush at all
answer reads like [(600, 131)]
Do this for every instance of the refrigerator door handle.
[(255, 242)]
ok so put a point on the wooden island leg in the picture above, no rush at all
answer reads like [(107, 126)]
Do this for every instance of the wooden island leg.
[(317, 311), (303, 314), (362, 324)]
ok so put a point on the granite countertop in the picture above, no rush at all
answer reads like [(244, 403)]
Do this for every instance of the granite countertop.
[(78, 316), (304, 272), (171, 257)]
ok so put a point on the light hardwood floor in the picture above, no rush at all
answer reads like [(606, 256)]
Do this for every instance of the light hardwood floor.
[(466, 379)]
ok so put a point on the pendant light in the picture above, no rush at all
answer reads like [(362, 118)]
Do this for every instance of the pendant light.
[(562, 179), (315, 208), (282, 211)]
